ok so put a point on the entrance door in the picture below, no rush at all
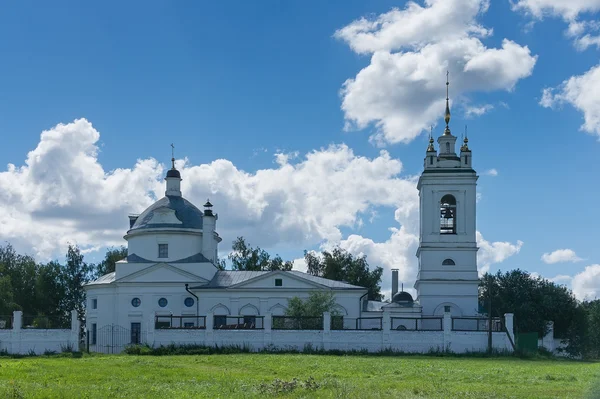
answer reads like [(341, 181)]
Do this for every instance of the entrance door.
[(136, 332)]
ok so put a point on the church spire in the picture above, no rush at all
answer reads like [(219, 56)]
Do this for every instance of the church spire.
[(447, 114), (431, 148)]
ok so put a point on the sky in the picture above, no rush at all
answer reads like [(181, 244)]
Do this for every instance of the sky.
[(305, 123)]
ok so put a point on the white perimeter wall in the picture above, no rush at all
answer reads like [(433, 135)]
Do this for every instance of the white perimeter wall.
[(24, 341), (327, 339)]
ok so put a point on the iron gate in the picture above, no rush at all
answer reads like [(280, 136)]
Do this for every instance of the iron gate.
[(113, 338)]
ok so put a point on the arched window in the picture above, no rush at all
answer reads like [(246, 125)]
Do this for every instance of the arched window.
[(448, 215), (448, 262), (448, 148)]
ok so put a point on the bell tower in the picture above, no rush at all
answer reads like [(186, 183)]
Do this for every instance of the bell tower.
[(447, 278)]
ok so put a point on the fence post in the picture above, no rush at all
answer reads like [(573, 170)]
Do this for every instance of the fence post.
[(16, 331), (151, 330), (210, 321), (326, 330), (509, 325), (267, 325), (386, 327), (75, 327), (447, 331)]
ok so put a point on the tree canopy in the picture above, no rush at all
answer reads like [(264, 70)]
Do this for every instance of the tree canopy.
[(341, 265), (315, 305), (245, 257)]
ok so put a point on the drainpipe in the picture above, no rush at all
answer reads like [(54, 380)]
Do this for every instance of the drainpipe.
[(360, 307), (195, 296)]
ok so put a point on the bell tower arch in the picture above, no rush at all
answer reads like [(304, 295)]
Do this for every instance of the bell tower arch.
[(447, 250)]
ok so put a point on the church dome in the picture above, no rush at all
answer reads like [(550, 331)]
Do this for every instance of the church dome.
[(187, 214), (173, 173), (403, 297)]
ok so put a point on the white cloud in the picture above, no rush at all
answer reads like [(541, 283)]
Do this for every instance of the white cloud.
[(570, 11), (491, 172), (63, 194), (473, 111), (401, 91), (494, 252), (561, 279), (580, 92), (586, 285), (560, 256)]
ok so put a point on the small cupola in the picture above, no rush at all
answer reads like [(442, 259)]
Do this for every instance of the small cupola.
[(208, 208), (173, 178)]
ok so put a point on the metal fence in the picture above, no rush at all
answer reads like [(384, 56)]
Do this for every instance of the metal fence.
[(45, 322), (417, 324), (476, 324), (179, 322), (360, 323), (239, 322), (6, 322), (297, 323)]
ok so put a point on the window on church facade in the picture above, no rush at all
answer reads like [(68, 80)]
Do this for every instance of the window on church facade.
[(448, 148), (448, 262), (448, 215), (162, 302), (94, 303), (163, 250), (135, 302), (278, 282), (447, 308), (189, 302)]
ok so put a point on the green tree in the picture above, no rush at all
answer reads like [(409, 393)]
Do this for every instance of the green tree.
[(21, 271), (112, 256), (534, 301), (592, 329), (50, 291), (341, 265), (245, 257), (315, 305), (75, 274)]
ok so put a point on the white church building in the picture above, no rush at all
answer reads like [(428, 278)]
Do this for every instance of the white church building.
[(169, 289)]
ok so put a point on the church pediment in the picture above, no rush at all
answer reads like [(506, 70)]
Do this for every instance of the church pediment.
[(288, 281), (162, 273)]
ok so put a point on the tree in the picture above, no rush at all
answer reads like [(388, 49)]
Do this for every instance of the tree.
[(245, 257), (534, 301), (21, 270), (50, 291), (112, 256), (315, 305), (75, 274), (341, 265)]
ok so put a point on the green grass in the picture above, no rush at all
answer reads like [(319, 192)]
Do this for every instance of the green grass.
[(271, 375)]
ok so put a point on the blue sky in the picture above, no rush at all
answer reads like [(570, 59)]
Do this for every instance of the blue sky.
[(242, 81)]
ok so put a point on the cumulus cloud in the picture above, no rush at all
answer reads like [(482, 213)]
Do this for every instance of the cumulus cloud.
[(571, 11), (473, 111), (586, 285), (401, 92), (62, 194), (491, 172), (580, 92), (560, 256), (494, 252)]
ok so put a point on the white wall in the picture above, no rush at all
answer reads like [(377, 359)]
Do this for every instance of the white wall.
[(181, 244), (23, 341), (373, 341)]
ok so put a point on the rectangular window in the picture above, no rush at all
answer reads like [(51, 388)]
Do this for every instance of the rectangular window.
[(278, 282), (430, 160), (163, 250), (94, 304), (93, 335), (136, 333)]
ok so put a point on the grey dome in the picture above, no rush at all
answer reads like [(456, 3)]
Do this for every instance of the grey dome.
[(185, 211), (402, 297), (173, 173)]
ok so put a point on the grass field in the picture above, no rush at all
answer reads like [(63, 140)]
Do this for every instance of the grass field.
[(266, 375)]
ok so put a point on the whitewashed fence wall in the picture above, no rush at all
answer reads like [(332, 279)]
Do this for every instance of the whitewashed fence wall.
[(24, 341), (327, 339)]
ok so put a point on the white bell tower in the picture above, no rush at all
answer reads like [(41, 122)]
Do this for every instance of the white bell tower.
[(447, 278)]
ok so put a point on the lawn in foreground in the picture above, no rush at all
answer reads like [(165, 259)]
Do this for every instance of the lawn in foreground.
[(255, 375)]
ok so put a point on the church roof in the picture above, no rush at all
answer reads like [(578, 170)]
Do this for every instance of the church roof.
[(106, 279), (185, 211), (228, 278)]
